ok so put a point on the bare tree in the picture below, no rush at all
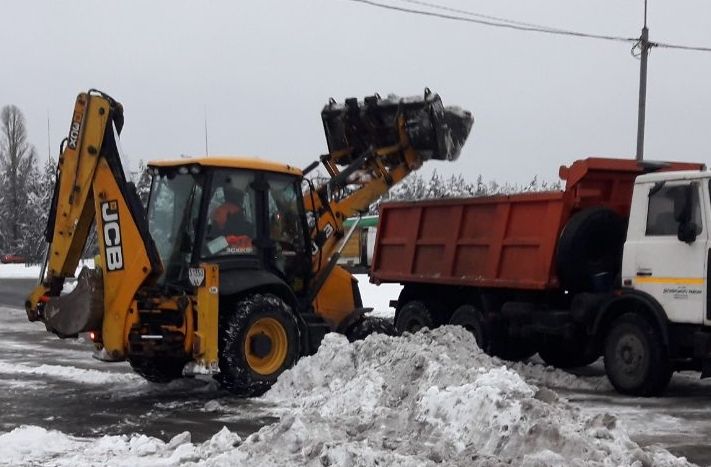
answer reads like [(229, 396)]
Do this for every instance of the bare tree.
[(17, 164)]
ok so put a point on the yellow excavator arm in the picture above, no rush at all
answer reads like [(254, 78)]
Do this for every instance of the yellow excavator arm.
[(373, 145), (91, 188)]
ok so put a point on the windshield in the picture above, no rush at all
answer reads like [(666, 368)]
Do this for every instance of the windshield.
[(173, 211)]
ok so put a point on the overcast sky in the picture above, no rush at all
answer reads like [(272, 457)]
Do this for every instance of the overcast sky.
[(262, 70)]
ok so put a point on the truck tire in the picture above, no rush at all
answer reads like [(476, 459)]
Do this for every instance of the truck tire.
[(259, 340), (566, 354), (367, 326), (589, 254), (473, 321), (158, 369), (636, 361), (412, 317)]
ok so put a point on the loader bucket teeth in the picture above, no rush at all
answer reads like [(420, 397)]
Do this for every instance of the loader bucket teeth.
[(81, 310), (357, 127)]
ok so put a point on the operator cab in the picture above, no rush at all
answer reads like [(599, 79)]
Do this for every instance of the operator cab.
[(239, 213)]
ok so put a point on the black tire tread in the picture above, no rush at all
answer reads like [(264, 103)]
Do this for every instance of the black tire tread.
[(659, 371), (234, 374), (413, 309), (370, 325), (470, 318)]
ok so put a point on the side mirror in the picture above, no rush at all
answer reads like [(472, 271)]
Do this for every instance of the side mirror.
[(687, 232), (683, 203)]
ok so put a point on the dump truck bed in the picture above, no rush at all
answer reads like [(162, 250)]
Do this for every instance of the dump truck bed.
[(498, 241)]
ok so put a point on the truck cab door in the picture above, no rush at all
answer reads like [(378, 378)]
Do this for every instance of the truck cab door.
[(667, 247)]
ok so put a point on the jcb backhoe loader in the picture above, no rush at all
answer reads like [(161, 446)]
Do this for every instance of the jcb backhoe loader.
[(232, 270)]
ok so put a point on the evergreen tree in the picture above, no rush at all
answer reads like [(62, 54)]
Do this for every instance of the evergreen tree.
[(142, 180), (17, 173), (39, 200)]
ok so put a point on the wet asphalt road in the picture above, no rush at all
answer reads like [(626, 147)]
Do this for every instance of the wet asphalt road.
[(14, 291), (72, 392), (84, 405)]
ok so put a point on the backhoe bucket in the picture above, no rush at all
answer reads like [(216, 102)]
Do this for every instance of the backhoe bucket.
[(434, 131), (81, 310)]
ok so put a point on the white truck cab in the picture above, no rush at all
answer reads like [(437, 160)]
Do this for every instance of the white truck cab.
[(666, 254), (659, 320)]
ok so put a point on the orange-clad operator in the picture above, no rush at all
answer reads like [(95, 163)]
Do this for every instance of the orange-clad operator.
[(229, 220)]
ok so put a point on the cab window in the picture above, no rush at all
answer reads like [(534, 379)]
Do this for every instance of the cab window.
[(666, 203), (230, 228), (286, 229)]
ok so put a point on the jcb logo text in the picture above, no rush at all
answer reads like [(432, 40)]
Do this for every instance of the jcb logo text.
[(112, 236)]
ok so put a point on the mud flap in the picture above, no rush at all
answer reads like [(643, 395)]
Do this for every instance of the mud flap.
[(81, 310)]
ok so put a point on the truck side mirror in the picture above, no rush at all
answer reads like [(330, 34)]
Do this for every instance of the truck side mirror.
[(687, 232), (683, 199)]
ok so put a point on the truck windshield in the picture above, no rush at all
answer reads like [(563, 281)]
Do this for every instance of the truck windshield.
[(173, 210)]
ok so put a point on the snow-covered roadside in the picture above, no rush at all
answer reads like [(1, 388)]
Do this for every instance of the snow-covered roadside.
[(22, 271), (422, 399)]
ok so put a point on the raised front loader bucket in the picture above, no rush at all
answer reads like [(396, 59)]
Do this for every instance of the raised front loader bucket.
[(81, 310), (435, 131)]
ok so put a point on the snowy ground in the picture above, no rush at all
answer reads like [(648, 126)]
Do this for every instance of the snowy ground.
[(32, 271), (424, 399)]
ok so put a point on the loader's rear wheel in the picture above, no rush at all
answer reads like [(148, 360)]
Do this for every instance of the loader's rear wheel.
[(367, 326), (158, 369), (259, 341), (412, 317)]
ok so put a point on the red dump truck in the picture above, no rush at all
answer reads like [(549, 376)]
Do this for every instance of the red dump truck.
[(615, 265)]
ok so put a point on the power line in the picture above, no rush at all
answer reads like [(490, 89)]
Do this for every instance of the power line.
[(479, 15), (495, 21), (680, 47)]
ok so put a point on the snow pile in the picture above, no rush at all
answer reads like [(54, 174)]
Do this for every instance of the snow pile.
[(31, 445), (427, 398), (424, 399)]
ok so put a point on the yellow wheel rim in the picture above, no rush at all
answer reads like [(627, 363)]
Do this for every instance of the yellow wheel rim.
[(266, 361)]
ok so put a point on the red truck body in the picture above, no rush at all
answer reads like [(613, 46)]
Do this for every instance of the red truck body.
[(498, 241)]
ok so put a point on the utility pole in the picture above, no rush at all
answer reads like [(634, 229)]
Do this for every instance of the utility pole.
[(49, 145), (207, 153), (644, 46)]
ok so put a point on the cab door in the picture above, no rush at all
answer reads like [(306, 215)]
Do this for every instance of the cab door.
[(289, 256), (657, 261)]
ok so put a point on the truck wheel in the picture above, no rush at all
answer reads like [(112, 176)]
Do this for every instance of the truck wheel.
[(367, 326), (260, 340), (158, 369), (589, 254), (472, 320), (636, 361), (562, 354), (412, 317)]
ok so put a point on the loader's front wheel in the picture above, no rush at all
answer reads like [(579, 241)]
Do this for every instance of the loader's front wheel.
[(260, 339)]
